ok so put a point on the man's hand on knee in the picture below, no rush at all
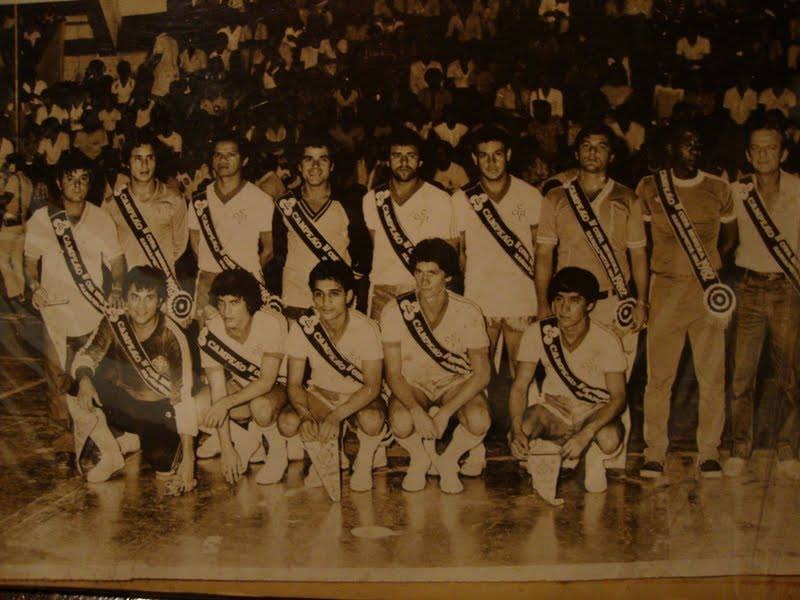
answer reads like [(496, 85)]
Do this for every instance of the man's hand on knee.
[(87, 394), (575, 446), (518, 443)]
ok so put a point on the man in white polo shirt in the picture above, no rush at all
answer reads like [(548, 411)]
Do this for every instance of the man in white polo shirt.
[(241, 217), (768, 299), (400, 214)]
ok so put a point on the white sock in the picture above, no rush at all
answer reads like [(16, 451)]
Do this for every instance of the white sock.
[(367, 444), (277, 443), (413, 445), (462, 442)]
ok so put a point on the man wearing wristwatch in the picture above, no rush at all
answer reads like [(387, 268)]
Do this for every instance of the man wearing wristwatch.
[(69, 316)]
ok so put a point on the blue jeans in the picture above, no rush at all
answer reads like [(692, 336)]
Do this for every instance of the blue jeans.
[(767, 310)]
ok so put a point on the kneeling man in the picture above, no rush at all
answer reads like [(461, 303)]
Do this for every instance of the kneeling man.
[(584, 386), (343, 348), (437, 364), (242, 351), (137, 369)]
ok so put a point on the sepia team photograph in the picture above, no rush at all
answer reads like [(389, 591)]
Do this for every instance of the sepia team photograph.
[(399, 290)]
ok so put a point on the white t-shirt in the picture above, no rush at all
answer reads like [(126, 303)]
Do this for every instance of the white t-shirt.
[(426, 214), (739, 106), (462, 328), (96, 237), (360, 341), (752, 253), (331, 222), (267, 336), (489, 267), (600, 352), (239, 223)]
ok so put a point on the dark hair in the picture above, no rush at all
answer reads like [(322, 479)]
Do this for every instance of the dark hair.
[(146, 277), (229, 136), (333, 270), (595, 129), (490, 133), (574, 279), (240, 284), (315, 141), (139, 137), (679, 129), (72, 161), (438, 251), (771, 120), (403, 136)]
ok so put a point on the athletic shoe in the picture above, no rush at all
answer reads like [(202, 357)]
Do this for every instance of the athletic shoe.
[(710, 469), (652, 469), (274, 468), (475, 463), (449, 482), (415, 479), (294, 447), (734, 467), (104, 469), (210, 447), (594, 479), (129, 443), (789, 468)]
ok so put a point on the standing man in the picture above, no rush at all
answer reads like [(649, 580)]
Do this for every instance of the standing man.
[(147, 392), (594, 222), (686, 208), (72, 238), (151, 221), (437, 364), (317, 225), (230, 223), (400, 214), (496, 219), (242, 349), (768, 292), (343, 349)]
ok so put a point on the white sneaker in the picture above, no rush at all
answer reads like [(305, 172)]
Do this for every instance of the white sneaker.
[(274, 467), (475, 463), (129, 443), (595, 471), (415, 479), (210, 447), (294, 448), (312, 479), (380, 460), (449, 482), (361, 478), (734, 467), (789, 468), (104, 469)]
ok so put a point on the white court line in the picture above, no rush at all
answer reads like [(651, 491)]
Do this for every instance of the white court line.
[(21, 388)]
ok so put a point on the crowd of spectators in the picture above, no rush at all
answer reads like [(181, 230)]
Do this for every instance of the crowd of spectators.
[(276, 70)]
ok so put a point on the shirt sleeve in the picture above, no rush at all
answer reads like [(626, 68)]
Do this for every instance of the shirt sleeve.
[(276, 332), (612, 355), (95, 350), (548, 232), (727, 213), (191, 218), (530, 345), (368, 208), (641, 193), (459, 202), (296, 343), (264, 209), (477, 338), (372, 349), (112, 249), (180, 230), (634, 230), (391, 324), (537, 201), (35, 236)]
